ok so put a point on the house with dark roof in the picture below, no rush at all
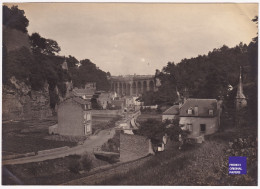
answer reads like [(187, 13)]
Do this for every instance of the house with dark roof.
[(74, 117), (171, 113), (87, 92), (200, 116)]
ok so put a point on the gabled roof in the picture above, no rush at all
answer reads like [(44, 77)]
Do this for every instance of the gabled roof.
[(81, 92), (81, 101), (204, 105), (173, 110)]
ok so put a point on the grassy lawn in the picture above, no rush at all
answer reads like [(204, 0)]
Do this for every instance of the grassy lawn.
[(28, 136)]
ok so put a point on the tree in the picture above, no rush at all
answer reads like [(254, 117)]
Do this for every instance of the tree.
[(15, 18), (42, 45), (51, 48), (71, 62), (89, 72)]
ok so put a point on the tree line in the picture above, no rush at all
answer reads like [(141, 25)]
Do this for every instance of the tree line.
[(41, 63), (214, 75)]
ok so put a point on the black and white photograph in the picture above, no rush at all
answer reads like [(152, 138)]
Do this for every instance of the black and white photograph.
[(129, 93)]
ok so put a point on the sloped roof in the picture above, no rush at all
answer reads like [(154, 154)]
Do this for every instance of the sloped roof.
[(173, 110), (81, 92), (204, 105), (81, 101)]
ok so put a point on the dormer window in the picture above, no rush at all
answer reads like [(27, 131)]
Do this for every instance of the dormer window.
[(189, 111), (211, 112)]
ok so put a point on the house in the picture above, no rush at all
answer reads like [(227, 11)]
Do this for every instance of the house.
[(200, 117), (104, 99), (171, 113), (118, 104), (74, 117), (133, 147), (87, 92)]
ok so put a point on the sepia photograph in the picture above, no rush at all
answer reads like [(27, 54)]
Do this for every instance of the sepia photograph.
[(129, 93)]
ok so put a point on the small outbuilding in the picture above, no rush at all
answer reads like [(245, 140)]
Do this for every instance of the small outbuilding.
[(171, 113)]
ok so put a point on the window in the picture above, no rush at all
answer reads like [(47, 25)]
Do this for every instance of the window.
[(182, 126), (88, 116), (202, 128), (190, 111), (189, 127), (211, 112)]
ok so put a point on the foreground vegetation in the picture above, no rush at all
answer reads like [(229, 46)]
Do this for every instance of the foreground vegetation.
[(52, 172), (201, 164)]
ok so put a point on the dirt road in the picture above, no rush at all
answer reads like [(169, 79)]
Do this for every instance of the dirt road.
[(92, 142)]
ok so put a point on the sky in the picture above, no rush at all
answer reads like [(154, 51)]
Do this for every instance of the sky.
[(138, 38)]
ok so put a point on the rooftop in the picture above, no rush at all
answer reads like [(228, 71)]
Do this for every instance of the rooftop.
[(81, 101), (204, 105), (173, 110)]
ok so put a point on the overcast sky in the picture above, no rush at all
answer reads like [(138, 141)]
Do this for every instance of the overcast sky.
[(125, 38)]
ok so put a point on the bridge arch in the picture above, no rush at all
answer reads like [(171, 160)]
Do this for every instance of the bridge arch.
[(120, 89), (134, 88), (151, 85), (115, 87), (124, 89), (144, 86), (139, 88), (128, 89)]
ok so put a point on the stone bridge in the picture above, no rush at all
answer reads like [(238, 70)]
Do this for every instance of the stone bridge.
[(132, 85)]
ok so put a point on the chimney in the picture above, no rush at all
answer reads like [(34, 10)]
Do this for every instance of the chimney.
[(196, 110)]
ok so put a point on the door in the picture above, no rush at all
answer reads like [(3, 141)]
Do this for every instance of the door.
[(202, 128)]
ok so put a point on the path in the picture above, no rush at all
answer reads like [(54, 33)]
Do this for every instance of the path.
[(93, 141)]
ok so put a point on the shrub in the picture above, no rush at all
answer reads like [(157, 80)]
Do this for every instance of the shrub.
[(86, 162), (74, 166)]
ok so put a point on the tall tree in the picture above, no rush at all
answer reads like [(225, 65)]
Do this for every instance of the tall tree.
[(42, 45), (15, 18)]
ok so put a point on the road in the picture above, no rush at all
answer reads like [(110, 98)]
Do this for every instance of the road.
[(92, 142)]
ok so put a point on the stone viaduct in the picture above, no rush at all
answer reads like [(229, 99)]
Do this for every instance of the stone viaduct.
[(132, 85)]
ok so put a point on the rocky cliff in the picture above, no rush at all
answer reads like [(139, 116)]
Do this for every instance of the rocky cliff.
[(21, 102)]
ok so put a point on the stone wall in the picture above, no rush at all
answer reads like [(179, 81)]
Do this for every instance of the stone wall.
[(20, 102), (134, 147), (106, 112)]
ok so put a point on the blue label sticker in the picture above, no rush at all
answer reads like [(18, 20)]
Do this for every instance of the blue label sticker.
[(237, 165)]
